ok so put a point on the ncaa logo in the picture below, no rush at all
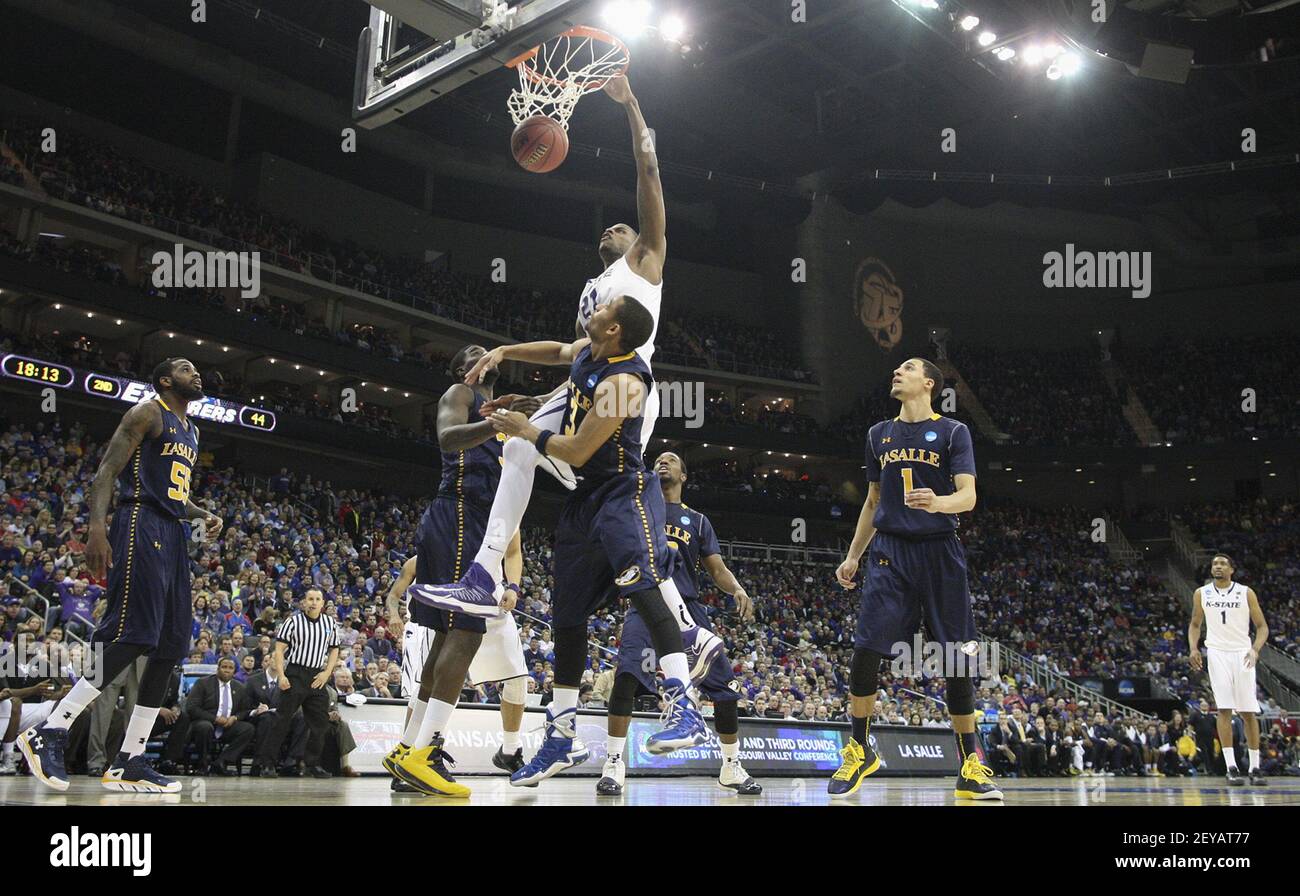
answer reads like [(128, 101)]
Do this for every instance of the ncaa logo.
[(686, 520), (629, 576), (591, 381), (931, 435)]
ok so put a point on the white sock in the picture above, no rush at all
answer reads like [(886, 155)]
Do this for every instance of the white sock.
[(567, 698), (83, 694), (614, 746), (7, 749), (436, 716), (516, 487), (418, 709), (509, 742), (730, 752), (1231, 759), (1254, 758), (675, 666), (137, 730), (673, 598)]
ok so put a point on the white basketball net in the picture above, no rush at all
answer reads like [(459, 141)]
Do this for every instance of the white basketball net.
[(561, 71)]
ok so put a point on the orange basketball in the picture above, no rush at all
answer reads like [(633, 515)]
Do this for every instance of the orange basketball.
[(540, 144)]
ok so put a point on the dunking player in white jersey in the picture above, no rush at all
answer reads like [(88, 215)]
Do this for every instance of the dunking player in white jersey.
[(1228, 608), (634, 264)]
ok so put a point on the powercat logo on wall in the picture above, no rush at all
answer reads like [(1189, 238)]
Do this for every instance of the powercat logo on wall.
[(878, 302)]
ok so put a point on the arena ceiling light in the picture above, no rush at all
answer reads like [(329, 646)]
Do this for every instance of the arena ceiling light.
[(629, 18), (1005, 54), (672, 28), (1070, 63), (987, 38), (1033, 54), (969, 23)]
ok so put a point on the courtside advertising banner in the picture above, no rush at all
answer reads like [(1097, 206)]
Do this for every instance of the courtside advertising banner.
[(771, 747)]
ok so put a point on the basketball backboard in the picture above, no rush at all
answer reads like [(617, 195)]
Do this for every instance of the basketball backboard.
[(415, 51)]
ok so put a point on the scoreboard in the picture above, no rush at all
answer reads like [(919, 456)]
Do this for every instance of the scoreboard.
[(117, 388)]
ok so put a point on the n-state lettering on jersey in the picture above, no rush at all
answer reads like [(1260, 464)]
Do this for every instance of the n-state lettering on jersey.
[(620, 280), (160, 470), (903, 456), (691, 537), (1227, 617), (621, 452), (472, 475)]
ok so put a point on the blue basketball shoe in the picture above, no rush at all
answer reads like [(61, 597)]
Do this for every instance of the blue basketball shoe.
[(476, 594), (134, 774), (559, 751), (43, 748), (683, 724)]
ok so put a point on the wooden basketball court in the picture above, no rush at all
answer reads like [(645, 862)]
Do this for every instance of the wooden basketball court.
[(694, 791)]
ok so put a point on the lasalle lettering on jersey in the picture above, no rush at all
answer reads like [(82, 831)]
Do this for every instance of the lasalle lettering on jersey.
[(676, 534), (915, 455), (185, 451)]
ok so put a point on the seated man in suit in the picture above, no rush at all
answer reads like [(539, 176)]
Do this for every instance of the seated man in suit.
[(1004, 747), (172, 725), (340, 740), (217, 710), (263, 694)]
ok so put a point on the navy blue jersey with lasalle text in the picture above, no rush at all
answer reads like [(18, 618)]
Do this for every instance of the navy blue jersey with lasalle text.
[(472, 475), (927, 454), (691, 537), (621, 453), (160, 470)]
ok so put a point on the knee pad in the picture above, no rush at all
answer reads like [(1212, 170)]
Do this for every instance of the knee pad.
[(570, 655), (514, 691), (622, 697), (961, 696), (665, 634), (864, 673)]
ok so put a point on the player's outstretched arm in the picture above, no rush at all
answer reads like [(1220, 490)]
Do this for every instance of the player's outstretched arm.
[(1194, 632), (455, 432), (404, 580), (726, 580), (617, 398), (651, 247), (1261, 627), (862, 535), (141, 422), (543, 354)]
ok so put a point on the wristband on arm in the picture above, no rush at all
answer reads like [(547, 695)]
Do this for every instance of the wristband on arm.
[(542, 439)]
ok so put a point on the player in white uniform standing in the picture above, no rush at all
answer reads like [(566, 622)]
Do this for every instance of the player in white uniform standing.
[(1228, 608), (634, 264)]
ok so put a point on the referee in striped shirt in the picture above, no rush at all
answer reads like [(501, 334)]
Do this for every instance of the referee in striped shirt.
[(306, 652)]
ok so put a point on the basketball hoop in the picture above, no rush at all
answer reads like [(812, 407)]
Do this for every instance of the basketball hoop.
[(555, 75)]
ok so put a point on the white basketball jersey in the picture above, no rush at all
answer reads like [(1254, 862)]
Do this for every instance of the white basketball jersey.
[(1227, 617), (620, 280)]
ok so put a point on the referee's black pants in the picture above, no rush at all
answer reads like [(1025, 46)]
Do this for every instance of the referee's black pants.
[(315, 704)]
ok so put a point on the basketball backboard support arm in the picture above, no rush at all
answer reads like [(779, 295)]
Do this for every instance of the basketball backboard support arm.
[(466, 39)]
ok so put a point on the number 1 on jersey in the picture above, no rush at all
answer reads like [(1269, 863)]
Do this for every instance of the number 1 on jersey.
[(907, 480)]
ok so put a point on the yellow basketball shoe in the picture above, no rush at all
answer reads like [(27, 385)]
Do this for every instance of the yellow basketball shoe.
[(856, 762), (395, 755), (975, 781), (426, 770)]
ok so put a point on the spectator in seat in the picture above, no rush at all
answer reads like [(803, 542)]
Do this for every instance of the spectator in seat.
[(217, 710), (1003, 741)]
